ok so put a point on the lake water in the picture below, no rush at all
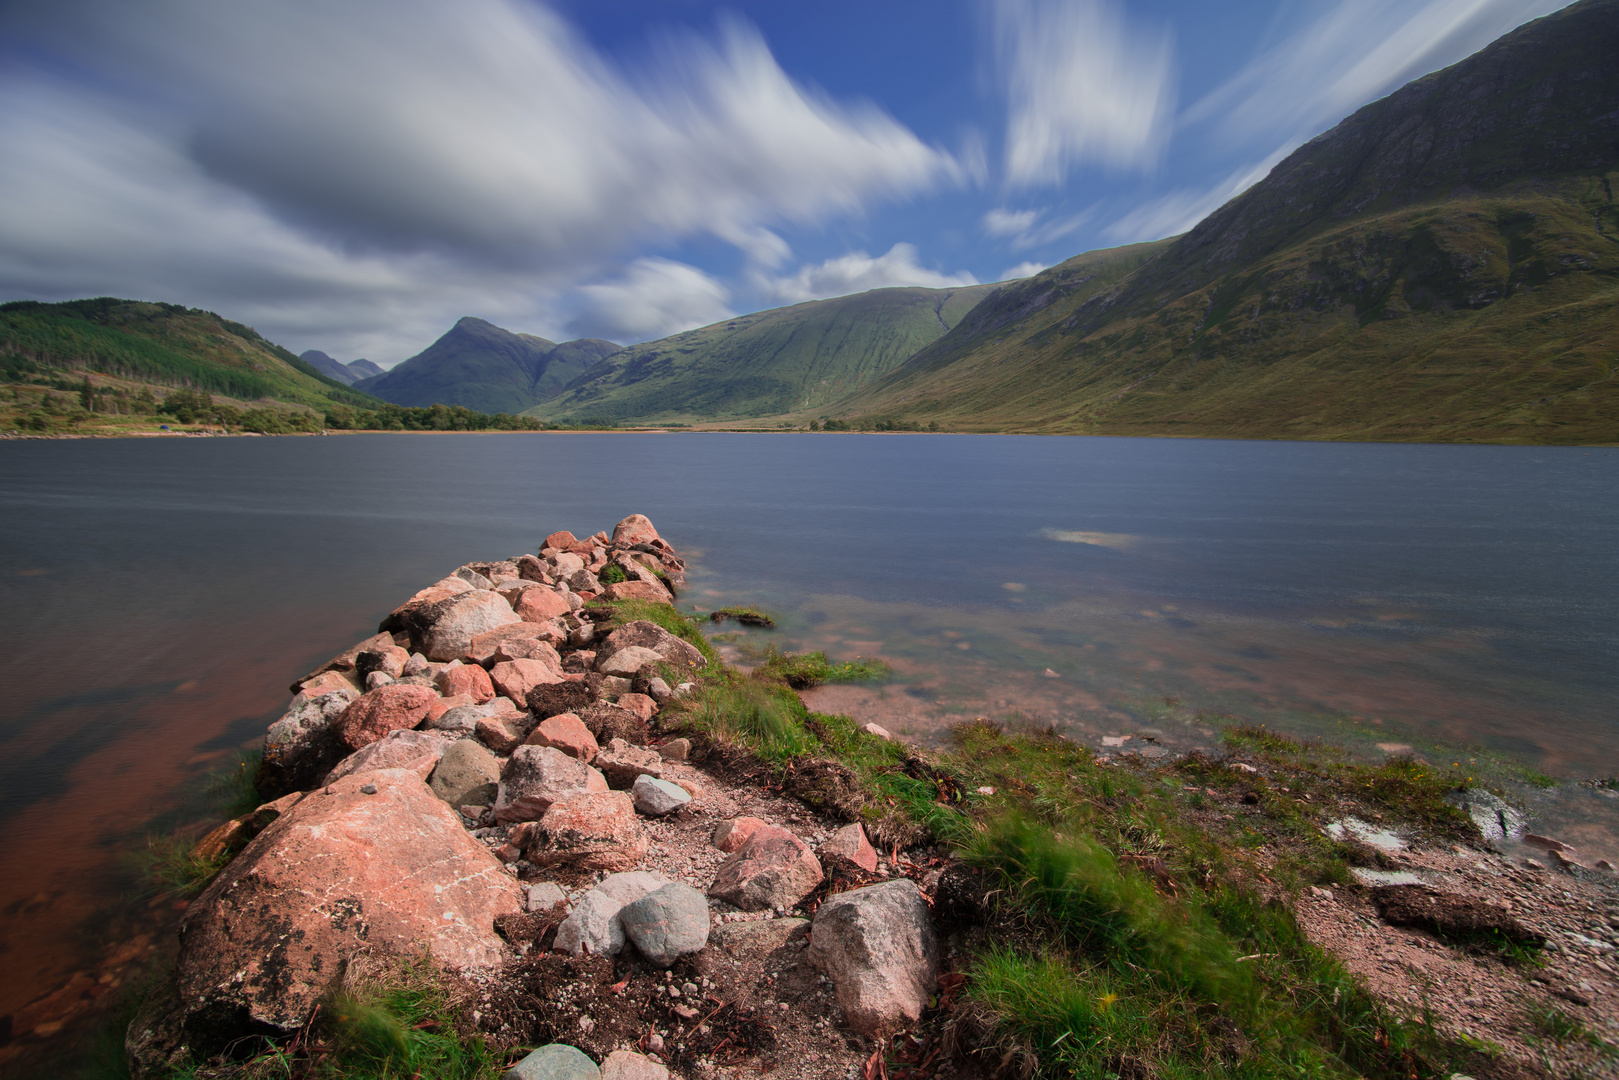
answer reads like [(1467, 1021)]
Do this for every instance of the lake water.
[(159, 595)]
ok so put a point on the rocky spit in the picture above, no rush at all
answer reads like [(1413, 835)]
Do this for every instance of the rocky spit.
[(477, 785)]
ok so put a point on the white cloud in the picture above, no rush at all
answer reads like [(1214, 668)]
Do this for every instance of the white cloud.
[(332, 168), (858, 272), (1177, 211), (1020, 226), (1081, 85), (1022, 270), (654, 298), (1354, 52), (1000, 222)]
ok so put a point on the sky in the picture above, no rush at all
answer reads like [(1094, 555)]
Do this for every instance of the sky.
[(356, 175)]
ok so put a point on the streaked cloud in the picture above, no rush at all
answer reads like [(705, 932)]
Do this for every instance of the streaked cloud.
[(859, 272), (1026, 229), (1082, 85), (652, 299), (1022, 270), (1177, 211)]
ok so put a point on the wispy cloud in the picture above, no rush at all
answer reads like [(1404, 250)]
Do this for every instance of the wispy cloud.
[(652, 299), (249, 156), (1177, 211), (1021, 270), (858, 272), (1025, 229), (1081, 85)]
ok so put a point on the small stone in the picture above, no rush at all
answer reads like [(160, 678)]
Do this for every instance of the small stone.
[(773, 869), (1051, 674), (877, 730), (659, 691), (1534, 864), (592, 927), (565, 732), (545, 895), (614, 687), (850, 842), (667, 924), (416, 665), (628, 1065), (499, 733), (676, 750), (639, 704), (656, 798), (378, 678), (555, 1062), (466, 775), (622, 763)]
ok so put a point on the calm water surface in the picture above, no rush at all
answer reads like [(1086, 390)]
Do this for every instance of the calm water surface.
[(159, 595)]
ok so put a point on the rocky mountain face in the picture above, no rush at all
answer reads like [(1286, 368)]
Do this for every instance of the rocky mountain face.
[(804, 356), (347, 374), (1441, 265), (481, 366)]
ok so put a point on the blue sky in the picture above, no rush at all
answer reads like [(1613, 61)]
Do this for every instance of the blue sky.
[(354, 175)]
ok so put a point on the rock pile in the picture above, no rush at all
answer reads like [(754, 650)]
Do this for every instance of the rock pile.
[(477, 782)]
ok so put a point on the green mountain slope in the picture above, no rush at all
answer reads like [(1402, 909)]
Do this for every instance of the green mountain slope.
[(481, 366), (168, 345), (804, 356), (1442, 265)]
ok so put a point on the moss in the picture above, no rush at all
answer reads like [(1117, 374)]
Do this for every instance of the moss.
[(804, 670)]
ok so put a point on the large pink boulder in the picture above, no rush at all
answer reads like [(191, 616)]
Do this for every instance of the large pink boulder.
[(536, 777), (850, 843), (540, 604), (485, 647), (732, 834), (515, 678), (462, 619), (562, 540), (589, 831), (773, 869), (341, 874), (639, 590), (565, 732), (417, 751), (468, 679), (635, 529), (644, 634), (387, 708)]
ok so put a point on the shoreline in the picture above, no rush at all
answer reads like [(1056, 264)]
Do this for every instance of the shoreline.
[(540, 673)]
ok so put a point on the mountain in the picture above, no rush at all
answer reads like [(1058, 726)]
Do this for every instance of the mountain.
[(347, 374), (1442, 265), (481, 366), (798, 357), (167, 345)]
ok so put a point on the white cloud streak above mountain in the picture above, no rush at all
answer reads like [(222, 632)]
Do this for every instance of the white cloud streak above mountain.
[(263, 154), (654, 298), (1081, 86), (858, 272)]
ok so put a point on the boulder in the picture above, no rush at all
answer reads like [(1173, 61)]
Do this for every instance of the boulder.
[(732, 834), (502, 734), (377, 712), (626, 663), (467, 680), (485, 646), (403, 749), (567, 733), (659, 690), (565, 564), (676, 750), (667, 924), (850, 843), (628, 1065), (773, 869), (540, 604), (562, 540), (344, 661), (537, 776), (635, 529), (342, 873), (878, 947), (467, 775), (639, 704), (555, 1062), (462, 724), (531, 569), (390, 659), (645, 634), (622, 763), (302, 746), (655, 798), (583, 581), (639, 590), (592, 927), (325, 683), (473, 577), (515, 678), (542, 647), (463, 618), (587, 831)]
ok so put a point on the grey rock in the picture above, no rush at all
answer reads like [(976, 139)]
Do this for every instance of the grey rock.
[(1495, 818), (614, 687), (667, 924), (416, 665), (466, 775), (629, 886), (659, 691), (655, 797), (558, 1061), (626, 663), (463, 618), (628, 1065), (878, 946), (623, 764), (473, 578), (300, 747), (537, 776), (674, 749), (545, 895), (592, 927), (462, 721), (378, 678), (394, 750), (643, 634), (584, 581)]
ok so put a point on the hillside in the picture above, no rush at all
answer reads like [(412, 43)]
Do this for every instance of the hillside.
[(348, 374), (481, 366), (166, 345), (1442, 265), (804, 356)]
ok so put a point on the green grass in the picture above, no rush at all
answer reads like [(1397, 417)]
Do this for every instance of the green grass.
[(804, 670), (664, 615), (170, 866), (747, 616), (612, 574), (233, 791)]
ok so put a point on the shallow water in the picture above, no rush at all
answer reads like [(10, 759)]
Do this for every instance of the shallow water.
[(159, 595)]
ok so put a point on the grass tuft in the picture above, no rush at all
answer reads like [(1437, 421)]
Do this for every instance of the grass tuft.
[(804, 670), (747, 616)]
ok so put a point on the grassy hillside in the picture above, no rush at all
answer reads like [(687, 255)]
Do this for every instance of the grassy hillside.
[(1443, 265), (804, 356), (481, 366), (166, 345)]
